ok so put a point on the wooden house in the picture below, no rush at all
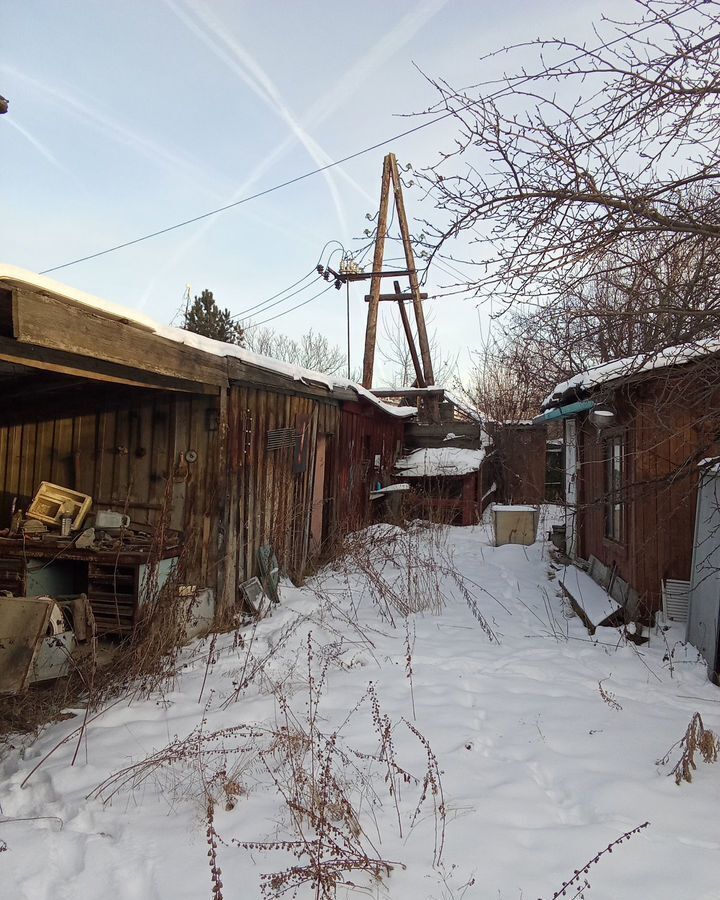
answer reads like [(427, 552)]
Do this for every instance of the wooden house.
[(226, 450), (636, 433)]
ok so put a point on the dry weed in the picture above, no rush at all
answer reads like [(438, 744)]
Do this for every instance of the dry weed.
[(697, 739)]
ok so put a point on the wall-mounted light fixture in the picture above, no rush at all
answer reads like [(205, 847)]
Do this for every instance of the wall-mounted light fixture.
[(603, 416)]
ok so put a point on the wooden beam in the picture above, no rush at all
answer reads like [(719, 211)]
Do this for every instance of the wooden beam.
[(371, 328), (379, 273), (96, 369), (410, 392), (397, 296), (410, 339), (57, 323), (240, 372), (410, 261)]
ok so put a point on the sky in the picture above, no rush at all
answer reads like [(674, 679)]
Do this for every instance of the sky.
[(129, 117)]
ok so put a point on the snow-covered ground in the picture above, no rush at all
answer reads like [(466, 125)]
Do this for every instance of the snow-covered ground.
[(539, 772)]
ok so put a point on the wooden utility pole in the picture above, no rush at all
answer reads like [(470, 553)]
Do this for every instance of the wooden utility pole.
[(423, 371), (412, 271), (371, 329)]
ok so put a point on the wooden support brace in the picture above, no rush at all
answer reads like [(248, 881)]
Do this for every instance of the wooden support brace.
[(419, 378), (397, 296)]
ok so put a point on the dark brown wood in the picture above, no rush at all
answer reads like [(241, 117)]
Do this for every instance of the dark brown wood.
[(408, 392), (44, 320), (397, 296), (240, 373), (670, 422), (49, 360), (419, 377), (131, 437), (372, 316), (519, 461)]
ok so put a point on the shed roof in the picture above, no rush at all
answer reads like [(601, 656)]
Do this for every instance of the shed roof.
[(618, 370), (14, 275), (433, 462)]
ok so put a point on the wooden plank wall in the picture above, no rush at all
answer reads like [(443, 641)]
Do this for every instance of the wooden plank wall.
[(520, 461), (236, 497), (123, 456), (667, 434), (268, 503), (365, 433), (591, 500)]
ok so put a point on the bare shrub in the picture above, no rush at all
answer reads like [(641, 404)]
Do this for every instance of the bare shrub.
[(323, 790), (608, 697), (323, 782), (697, 739), (407, 571), (578, 882)]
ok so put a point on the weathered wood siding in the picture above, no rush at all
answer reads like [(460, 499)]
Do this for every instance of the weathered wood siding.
[(122, 456), (365, 434), (520, 461), (669, 427), (269, 503)]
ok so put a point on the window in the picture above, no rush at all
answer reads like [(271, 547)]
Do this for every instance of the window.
[(614, 478)]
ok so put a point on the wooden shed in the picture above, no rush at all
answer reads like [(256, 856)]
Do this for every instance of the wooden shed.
[(448, 483), (228, 450), (636, 433)]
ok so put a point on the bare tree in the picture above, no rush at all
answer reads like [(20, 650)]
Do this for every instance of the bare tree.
[(503, 385), (311, 350), (593, 150), (393, 348)]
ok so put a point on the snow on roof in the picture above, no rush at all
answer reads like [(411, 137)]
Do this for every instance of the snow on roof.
[(196, 341), (631, 365), (429, 462)]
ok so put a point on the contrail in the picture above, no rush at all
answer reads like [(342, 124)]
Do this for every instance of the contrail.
[(112, 127), (221, 43), (41, 148), (402, 32), (384, 49)]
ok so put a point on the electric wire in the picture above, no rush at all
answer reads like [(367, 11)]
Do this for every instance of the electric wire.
[(338, 162), (292, 308), (255, 196), (264, 305)]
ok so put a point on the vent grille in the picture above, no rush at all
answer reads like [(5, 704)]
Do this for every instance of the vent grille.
[(280, 437)]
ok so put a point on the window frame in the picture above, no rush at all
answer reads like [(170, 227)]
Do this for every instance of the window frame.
[(614, 480)]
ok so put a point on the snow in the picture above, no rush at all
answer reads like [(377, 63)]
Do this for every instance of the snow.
[(539, 773), (196, 341), (392, 489), (632, 365), (513, 507), (429, 462), (594, 600)]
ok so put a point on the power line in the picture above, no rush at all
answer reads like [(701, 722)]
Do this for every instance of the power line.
[(292, 308), (338, 162), (256, 196), (264, 305)]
